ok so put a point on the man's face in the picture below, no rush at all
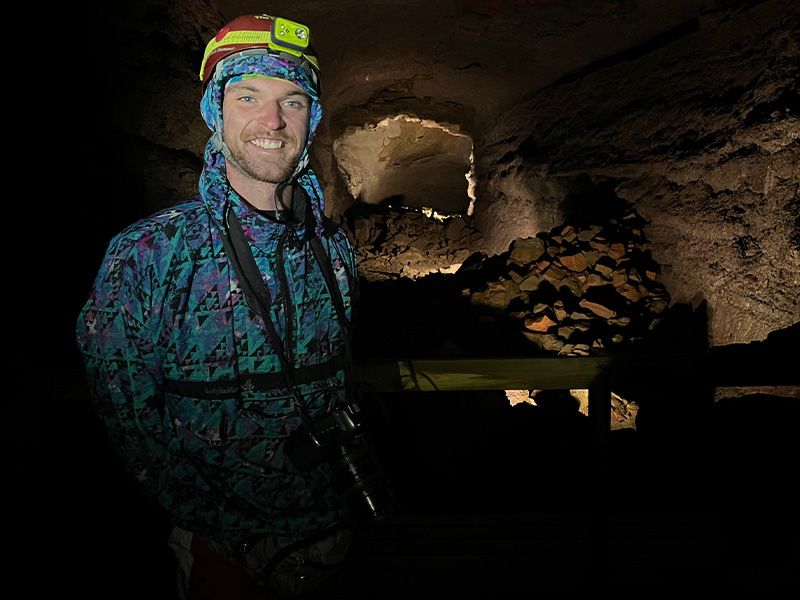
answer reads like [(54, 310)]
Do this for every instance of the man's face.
[(265, 125)]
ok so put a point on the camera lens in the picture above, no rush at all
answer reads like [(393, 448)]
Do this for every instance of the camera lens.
[(360, 480), (355, 474)]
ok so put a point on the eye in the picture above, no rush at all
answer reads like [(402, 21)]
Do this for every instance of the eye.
[(246, 99), (294, 103)]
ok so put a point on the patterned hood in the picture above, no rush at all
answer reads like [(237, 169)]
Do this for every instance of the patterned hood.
[(214, 187)]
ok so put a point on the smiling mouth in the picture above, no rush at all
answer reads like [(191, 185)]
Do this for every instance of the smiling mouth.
[(268, 144)]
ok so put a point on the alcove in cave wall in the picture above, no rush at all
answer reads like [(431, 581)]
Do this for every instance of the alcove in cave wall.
[(407, 162)]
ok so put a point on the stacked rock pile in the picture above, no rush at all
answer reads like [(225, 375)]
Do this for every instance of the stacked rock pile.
[(580, 290)]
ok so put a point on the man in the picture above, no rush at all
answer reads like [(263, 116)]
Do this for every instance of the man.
[(216, 334)]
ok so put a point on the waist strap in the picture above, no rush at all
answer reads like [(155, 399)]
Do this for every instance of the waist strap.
[(258, 382)]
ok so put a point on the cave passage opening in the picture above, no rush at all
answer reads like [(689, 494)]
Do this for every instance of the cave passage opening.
[(408, 162)]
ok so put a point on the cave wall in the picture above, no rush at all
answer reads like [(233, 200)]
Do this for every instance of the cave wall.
[(151, 117), (687, 110), (697, 129)]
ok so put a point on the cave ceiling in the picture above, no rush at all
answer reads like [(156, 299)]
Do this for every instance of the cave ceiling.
[(461, 62)]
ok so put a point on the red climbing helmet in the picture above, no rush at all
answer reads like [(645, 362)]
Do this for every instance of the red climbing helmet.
[(284, 38)]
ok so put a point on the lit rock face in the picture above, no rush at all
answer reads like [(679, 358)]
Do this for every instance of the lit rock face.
[(700, 134), (416, 162)]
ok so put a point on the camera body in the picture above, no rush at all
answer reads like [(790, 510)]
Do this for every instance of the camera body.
[(339, 438)]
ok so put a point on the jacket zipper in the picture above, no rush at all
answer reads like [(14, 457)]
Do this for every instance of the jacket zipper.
[(288, 301)]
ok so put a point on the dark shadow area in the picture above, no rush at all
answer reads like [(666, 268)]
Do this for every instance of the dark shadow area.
[(495, 500), (755, 438), (431, 317), (591, 202), (472, 452), (700, 494)]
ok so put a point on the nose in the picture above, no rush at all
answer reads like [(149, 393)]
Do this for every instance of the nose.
[(271, 116)]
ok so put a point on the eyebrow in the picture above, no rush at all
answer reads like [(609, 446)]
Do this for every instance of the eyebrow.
[(243, 86), (297, 93), (249, 88)]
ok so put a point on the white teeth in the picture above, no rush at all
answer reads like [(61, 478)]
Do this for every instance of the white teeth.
[(268, 144)]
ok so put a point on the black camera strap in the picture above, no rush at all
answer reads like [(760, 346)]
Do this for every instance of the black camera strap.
[(338, 302), (259, 298), (327, 272)]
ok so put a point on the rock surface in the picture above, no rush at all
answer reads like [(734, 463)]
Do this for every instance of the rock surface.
[(699, 131)]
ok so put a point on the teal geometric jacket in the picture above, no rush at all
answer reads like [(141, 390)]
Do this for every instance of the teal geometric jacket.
[(182, 373)]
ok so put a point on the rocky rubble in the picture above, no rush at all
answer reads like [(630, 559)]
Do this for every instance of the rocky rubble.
[(623, 413), (404, 242), (577, 291)]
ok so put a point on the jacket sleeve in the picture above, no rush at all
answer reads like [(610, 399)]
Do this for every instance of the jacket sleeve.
[(117, 332)]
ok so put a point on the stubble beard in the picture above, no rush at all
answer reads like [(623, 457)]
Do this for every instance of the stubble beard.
[(267, 169)]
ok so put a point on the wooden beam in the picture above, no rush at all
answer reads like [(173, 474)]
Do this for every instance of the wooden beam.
[(571, 372), (430, 375)]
